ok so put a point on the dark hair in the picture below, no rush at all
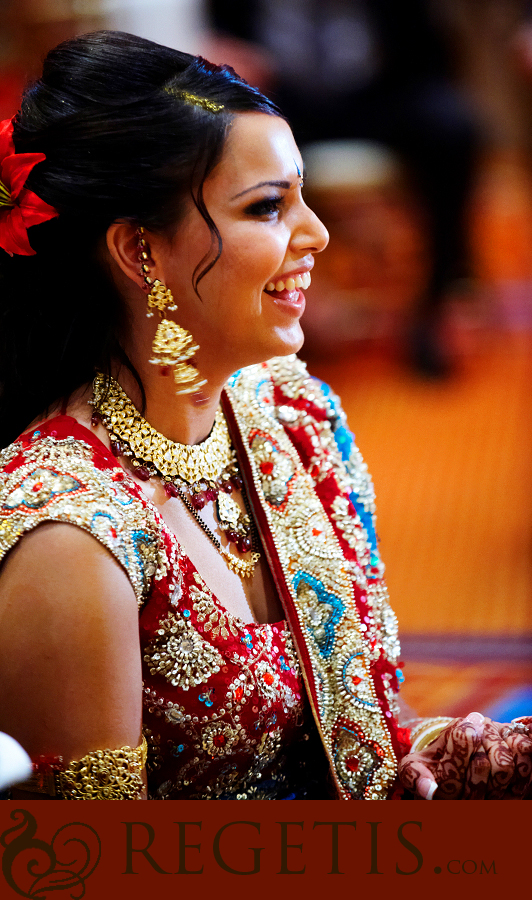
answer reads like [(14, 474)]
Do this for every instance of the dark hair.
[(121, 142)]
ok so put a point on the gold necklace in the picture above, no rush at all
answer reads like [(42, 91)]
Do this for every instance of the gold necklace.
[(189, 462), (196, 473)]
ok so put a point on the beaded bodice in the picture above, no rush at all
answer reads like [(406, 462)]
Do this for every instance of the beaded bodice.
[(225, 711), (226, 705), (222, 699)]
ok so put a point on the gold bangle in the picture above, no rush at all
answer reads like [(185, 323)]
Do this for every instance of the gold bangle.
[(427, 731), (99, 775)]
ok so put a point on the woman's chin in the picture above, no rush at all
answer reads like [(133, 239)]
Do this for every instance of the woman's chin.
[(282, 342), (289, 340)]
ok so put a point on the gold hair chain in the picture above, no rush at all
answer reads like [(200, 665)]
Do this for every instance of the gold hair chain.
[(194, 100)]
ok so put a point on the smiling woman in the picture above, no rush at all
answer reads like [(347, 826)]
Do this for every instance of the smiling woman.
[(192, 603), (268, 235)]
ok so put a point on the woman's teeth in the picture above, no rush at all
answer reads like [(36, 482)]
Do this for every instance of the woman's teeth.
[(299, 281)]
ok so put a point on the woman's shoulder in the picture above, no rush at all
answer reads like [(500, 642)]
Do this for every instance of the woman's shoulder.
[(59, 472)]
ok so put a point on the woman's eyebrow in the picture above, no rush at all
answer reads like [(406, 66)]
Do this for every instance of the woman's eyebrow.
[(285, 185)]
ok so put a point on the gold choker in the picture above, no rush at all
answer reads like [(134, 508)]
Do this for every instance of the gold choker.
[(150, 449), (196, 473)]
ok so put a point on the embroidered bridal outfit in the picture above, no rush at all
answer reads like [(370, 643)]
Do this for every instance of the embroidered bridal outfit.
[(304, 708)]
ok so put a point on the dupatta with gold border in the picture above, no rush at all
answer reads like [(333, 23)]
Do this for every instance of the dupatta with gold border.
[(328, 575)]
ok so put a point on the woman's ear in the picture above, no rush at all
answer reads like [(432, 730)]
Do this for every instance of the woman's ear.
[(122, 243)]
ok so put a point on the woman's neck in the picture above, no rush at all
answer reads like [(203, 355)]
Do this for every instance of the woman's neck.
[(183, 418)]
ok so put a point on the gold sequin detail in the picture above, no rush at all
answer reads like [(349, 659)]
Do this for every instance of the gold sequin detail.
[(58, 482), (180, 654), (318, 577)]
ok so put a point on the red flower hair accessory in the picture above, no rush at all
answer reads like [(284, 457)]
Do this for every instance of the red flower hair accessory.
[(20, 208)]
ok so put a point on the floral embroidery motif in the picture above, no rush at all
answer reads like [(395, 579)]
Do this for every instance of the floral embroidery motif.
[(275, 467), (354, 754), (219, 739), (258, 693), (311, 531), (180, 655), (38, 488), (322, 611), (354, 681), (214, 619), (267, 680)]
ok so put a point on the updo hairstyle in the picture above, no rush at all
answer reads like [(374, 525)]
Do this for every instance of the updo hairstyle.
[(121, 142)]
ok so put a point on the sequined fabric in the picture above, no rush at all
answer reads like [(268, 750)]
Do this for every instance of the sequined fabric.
[(311, 490), (222, 700), (230, 709), (61, 473), (225, 712)]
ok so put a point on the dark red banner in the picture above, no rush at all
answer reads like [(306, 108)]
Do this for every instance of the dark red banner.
[(130, 849)]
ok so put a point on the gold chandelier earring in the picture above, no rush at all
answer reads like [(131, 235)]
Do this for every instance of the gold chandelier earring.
[(173, 346)]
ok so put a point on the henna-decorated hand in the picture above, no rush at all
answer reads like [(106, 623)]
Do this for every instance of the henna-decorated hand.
[(518, 737), (472, 759)]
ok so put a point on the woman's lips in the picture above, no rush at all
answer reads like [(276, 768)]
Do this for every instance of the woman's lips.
[(287, 292), (292, 302)]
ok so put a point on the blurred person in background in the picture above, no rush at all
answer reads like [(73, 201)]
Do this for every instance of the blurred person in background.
[(190, 577), (383, 71)]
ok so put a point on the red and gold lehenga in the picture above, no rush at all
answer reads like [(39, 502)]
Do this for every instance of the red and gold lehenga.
[(305, 708)]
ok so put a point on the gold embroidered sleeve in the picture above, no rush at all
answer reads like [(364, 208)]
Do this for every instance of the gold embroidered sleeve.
[(57, 481)]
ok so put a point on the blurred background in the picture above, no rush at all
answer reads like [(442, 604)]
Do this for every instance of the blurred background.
[(415, 123)]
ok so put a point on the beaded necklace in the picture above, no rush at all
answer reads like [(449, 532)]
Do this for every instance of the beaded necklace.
[(196, 473)]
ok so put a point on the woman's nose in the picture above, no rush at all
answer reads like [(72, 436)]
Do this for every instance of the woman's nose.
[(311, 235)]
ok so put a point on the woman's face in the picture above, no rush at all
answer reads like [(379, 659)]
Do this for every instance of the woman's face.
[(253, 297)]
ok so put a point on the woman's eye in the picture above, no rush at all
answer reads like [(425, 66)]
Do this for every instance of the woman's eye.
[(267, 208)]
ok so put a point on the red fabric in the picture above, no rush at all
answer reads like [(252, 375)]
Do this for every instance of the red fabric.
[(327, 490), (206, 738), (188, 727)]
